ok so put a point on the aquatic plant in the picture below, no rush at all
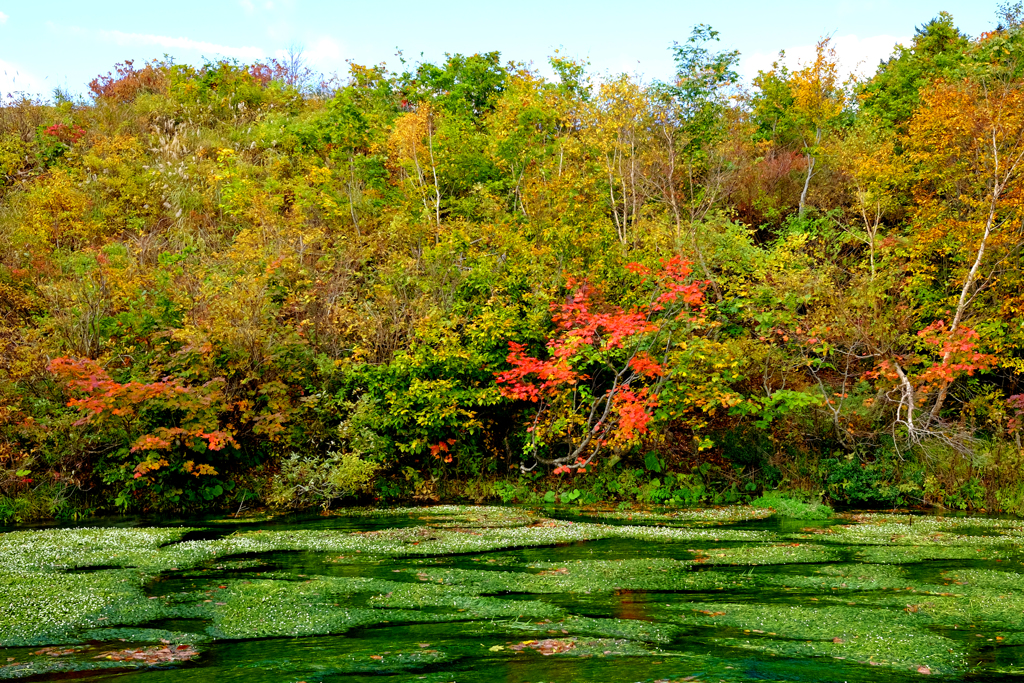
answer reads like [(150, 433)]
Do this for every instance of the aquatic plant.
[(517, 584)]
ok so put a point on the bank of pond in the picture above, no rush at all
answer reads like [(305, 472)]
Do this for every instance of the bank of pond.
[(530, 595)]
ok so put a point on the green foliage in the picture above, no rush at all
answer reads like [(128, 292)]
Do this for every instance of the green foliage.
[(882, 481), (936, 52), (463, 85), (310, 480), (306, 480), (702, 83), (789, 505)]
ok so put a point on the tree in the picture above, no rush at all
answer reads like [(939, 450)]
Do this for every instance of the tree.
[(703, 85), (468, 86), (690, 117), (604, 369), (801, 107), (1011, 15), (967, 141), (818, 102), (164, 431), (622, 116), (893, 93), (878, 175), (413, 146)]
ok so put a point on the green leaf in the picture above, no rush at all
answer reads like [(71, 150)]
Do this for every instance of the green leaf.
[(652, 462)]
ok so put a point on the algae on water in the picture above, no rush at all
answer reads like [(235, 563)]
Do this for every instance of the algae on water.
[(478, 590)]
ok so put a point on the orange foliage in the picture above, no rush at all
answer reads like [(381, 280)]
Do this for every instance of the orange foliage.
[(126, 82)]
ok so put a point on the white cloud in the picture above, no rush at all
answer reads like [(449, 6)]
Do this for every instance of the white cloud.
[(324, 53), (859, 56), (3, 18), (14, 79), (248, 54), (247, 6)]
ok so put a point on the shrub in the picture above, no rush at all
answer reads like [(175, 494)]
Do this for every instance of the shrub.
[(128, 82), (793, 505), (312, 480)]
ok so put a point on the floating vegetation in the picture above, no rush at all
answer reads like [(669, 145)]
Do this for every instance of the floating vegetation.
[(896, 554), (58, 549), (719, 515), (477, 590), (47, 608), (430, 541), (868, 636), (778, 553), (579, 647), (464, 515), (584, 576), (852, 577), (151, 655), (260, 609), (108, 655)]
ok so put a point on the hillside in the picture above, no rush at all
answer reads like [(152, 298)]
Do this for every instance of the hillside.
[(238, 285)]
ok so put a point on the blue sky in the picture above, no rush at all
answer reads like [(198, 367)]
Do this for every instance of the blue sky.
[(46, 44)]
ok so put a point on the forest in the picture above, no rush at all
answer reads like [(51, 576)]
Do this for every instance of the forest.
[(242, 285)]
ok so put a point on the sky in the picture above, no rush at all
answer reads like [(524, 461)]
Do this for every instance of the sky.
[(60, 44)]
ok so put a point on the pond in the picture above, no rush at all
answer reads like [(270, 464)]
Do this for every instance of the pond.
[(473, 594)]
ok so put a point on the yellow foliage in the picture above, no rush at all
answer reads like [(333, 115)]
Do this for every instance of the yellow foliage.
[(57, 211), (198, 470), (319, 175), (817, 95), (108, 152), (126, 191), (13, 153)]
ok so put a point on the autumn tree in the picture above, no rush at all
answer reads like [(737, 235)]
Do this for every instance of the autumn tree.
[(691, 119), (801, 107), (622, 117), (893, 93), (604, 368), (818, 102), (967, 141), (163, 431), (878, 176)]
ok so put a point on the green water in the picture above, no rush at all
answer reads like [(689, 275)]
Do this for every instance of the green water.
[(480, 594)]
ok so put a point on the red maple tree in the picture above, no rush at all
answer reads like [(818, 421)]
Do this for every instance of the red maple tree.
[(598, 383)]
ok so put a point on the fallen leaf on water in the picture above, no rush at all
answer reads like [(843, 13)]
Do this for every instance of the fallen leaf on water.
[(152, 655), (548, 646), (53, 652)]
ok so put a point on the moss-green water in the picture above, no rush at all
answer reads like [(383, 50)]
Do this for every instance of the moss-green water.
[(501, 594)]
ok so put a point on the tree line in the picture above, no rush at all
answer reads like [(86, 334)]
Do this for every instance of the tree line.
[(239, 284)]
